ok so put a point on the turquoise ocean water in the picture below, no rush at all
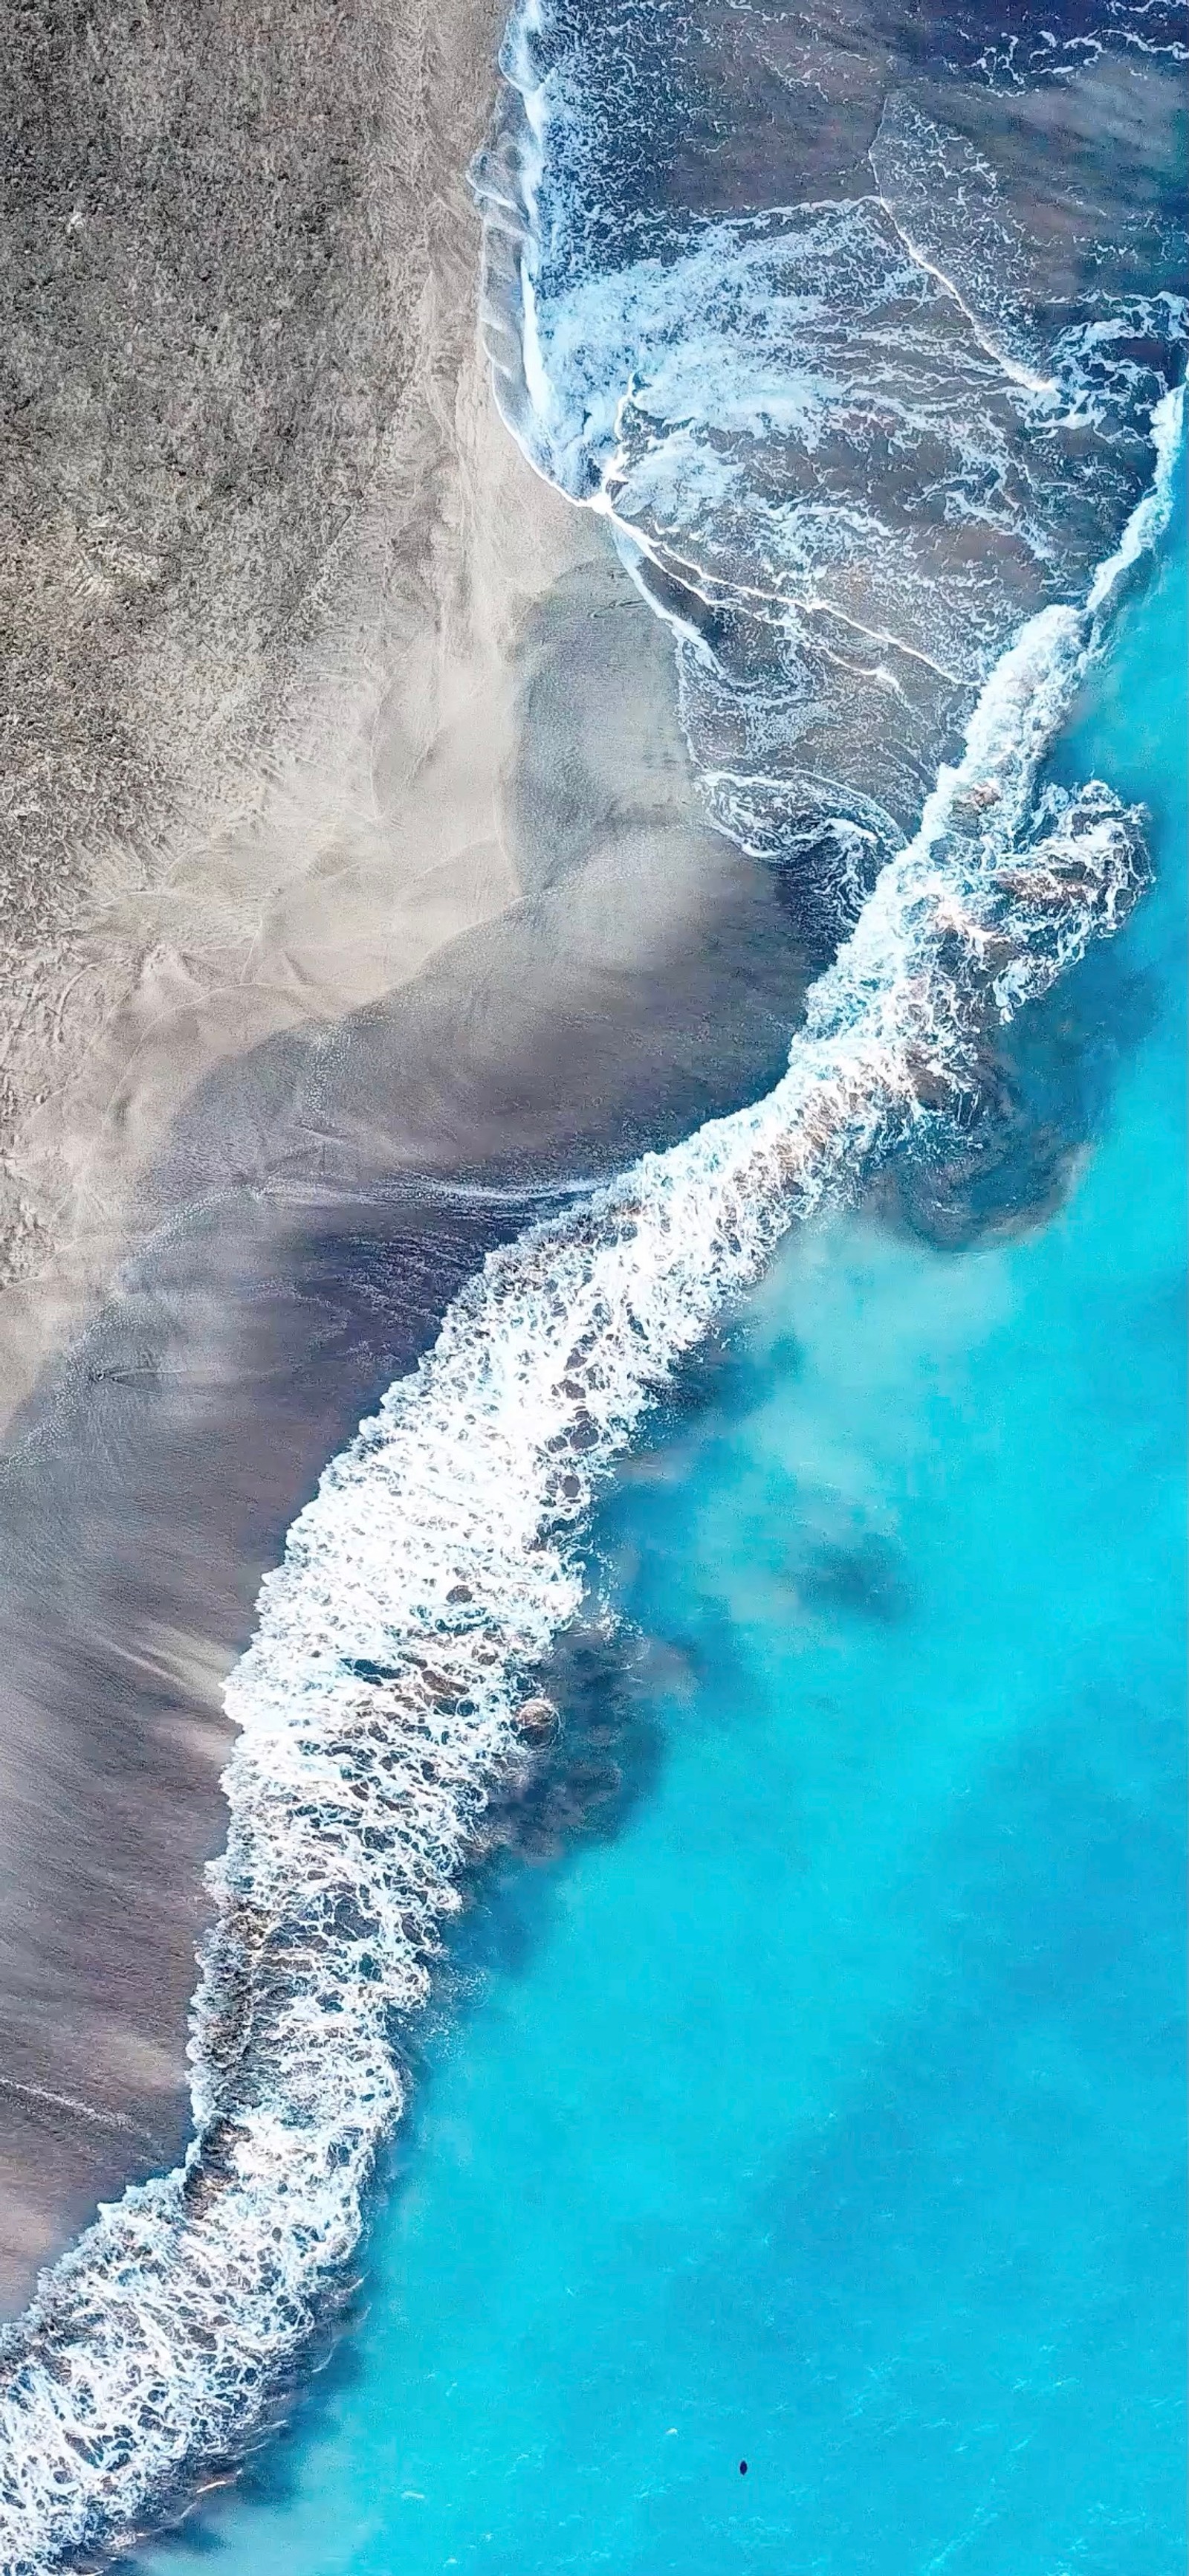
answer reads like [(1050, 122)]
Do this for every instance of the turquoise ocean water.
[(828, 2113)]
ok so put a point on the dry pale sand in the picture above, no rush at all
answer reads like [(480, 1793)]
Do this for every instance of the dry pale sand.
[(280, 876), (445, 931), (252, 761)]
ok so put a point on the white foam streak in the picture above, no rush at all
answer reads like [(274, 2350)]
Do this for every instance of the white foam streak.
[(1025, 377), (1151, 517)]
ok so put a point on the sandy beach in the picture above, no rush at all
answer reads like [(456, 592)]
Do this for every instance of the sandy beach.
[(243, 853), (591, 1035), (419, 923)]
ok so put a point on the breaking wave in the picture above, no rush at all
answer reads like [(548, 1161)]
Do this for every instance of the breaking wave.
[(387, 1688), (394, 1678)]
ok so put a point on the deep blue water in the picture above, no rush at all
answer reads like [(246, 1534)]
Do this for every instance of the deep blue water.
[(828, 2112)]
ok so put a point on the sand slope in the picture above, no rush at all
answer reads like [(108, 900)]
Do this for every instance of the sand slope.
[(241, 469), (439, 927)]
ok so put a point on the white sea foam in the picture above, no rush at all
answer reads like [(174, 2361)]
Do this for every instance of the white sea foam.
[(845, 449), (419, 1593), (672, 396)]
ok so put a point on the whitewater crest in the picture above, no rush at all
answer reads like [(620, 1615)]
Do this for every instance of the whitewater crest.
[(387, 1688)]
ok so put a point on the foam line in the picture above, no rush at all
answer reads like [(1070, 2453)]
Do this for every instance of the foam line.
[(815, 455)]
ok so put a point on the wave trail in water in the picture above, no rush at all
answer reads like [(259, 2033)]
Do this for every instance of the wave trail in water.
[(847, 447), (384, 1693)]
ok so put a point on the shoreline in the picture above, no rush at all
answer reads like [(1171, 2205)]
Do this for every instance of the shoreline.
[(407, 1618), (473, 947), (481, 934)]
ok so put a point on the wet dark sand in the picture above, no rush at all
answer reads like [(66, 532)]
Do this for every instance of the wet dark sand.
[(319, 1203)]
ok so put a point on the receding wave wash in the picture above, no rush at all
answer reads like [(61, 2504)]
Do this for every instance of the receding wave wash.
[(851, 436), (883, 424)]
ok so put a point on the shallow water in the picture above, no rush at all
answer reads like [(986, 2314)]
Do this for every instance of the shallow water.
[(857, 361), (828, 2114)]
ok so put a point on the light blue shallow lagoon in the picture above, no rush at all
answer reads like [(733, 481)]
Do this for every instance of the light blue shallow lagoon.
[(827, 2112)]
